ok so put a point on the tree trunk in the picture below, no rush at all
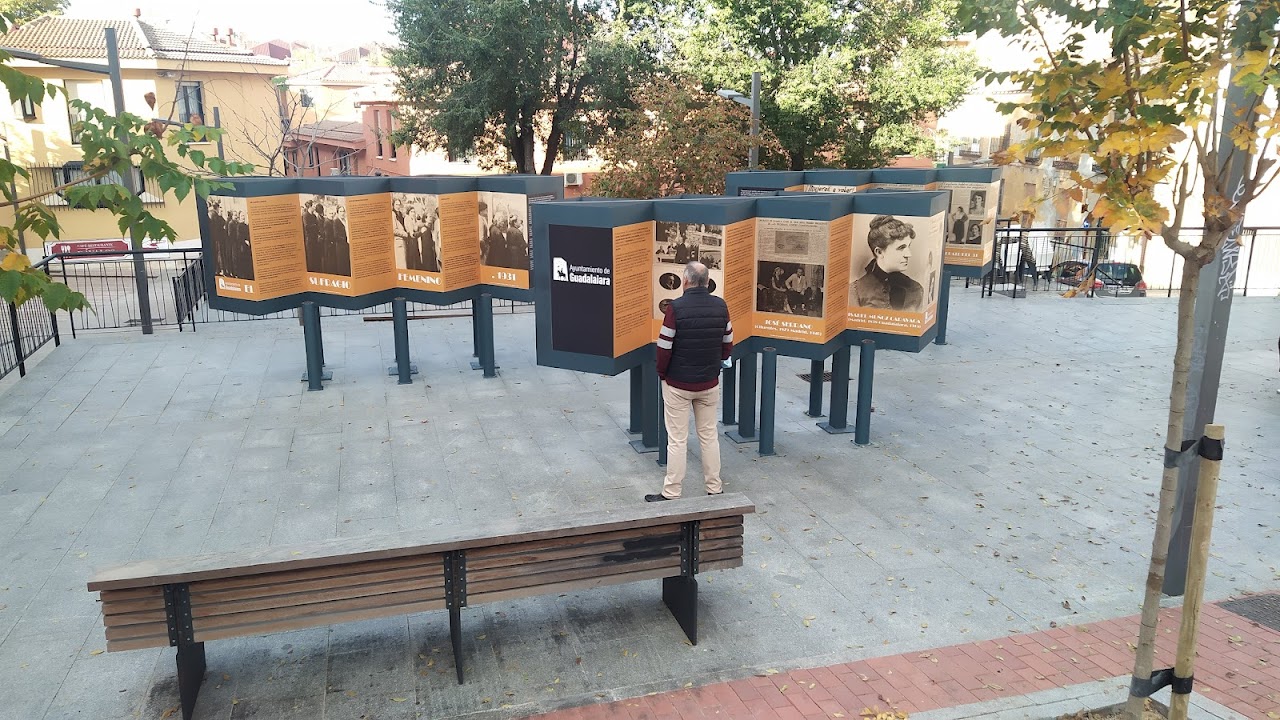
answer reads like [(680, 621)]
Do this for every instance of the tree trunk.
[(553, 146), (1145, 654), (797, 158), (529, 139)]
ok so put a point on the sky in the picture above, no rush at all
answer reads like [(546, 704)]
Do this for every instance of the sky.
[(325, 22)]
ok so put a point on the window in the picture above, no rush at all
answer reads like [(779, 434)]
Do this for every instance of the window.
[(343, 160), (390, 129), (305, 98), (313, 158), (572, 147), (88, 91), (190, 102), (377, 129), (25, 108), (73, 171)]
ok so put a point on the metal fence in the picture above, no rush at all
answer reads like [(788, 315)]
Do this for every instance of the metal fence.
[(177, 292), (23, 330), (1051, 258)]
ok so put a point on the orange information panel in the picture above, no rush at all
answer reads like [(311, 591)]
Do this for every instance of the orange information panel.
[(373, 266), (971, 222), (632, 296), (896, 269), (327, 248), (415, 223), (834, 309), (256, 245), (790, 273), (676, 244), (504, 238), (459, 252), (739, 274)]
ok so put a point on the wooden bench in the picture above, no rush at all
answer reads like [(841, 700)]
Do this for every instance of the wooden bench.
[(186, 602)]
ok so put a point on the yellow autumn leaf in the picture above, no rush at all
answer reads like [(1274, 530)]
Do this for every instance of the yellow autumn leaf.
[(96, 652), (1111, 84), (402, 699), (15, 261), (1252, 62)]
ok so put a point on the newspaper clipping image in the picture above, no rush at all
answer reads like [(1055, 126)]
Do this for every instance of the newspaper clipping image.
[(676, 244)]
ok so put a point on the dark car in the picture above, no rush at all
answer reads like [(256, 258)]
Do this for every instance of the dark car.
[(1119, 280), (1116, 279)]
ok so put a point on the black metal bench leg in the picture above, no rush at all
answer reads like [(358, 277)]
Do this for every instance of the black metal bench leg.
[(680, 594), (190, 676), (455, 635)]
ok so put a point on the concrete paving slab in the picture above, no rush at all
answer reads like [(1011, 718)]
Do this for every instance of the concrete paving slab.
[(1011, 470)]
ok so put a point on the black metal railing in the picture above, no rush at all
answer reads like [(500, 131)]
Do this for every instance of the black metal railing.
[(1053, 259), (45, 180), (177, 292), (24, 329)]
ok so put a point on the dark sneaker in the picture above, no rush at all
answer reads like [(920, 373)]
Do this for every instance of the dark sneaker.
[(656, 498)]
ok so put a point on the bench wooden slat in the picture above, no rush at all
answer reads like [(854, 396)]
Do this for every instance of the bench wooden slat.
[(722, 532), (718, 522), (307, 613), (132, 593), (138, 630), (135, 618), (596, 560), (720, 544), (153, 641), (536, 584), (331, 618), (230, 607), (430, 573), (326, 571), (127, 606), (511, 553), (417, 542), (569, 586)]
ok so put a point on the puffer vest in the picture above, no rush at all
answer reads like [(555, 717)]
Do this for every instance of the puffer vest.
[(701, 319)]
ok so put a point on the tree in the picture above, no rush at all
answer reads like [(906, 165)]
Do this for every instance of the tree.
[(841, 80), (269, 134), (1146, 109), (510, 71), (111, 146), (21, 11), (683, 141)]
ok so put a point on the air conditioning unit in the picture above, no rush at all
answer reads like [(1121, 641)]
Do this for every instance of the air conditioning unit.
[(572, 179)]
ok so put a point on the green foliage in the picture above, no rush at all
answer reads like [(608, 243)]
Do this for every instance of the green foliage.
[(112, 146), (23, 10), (1137, 86), (841, 81), (488, 74), (684, 141)]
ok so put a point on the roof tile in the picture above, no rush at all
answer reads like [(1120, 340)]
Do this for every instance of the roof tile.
[(64, 37)]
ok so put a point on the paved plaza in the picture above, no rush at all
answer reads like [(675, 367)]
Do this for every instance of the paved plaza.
[(1009, 490)]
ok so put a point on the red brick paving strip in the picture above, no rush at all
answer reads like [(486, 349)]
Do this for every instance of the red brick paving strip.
[(1238, 666)]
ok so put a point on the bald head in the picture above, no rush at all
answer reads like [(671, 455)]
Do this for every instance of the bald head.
[(695, 274)]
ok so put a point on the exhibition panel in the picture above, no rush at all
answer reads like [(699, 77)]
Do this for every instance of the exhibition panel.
[(352, 242)]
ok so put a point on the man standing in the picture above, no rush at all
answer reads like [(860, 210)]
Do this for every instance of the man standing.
[(696, 337)]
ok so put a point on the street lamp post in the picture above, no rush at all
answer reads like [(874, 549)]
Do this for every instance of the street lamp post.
[(752, 102)]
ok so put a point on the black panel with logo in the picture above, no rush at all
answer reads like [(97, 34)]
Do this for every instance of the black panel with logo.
[(581, 302)]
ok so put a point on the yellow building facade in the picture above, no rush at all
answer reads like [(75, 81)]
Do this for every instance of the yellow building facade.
[(188, 77)]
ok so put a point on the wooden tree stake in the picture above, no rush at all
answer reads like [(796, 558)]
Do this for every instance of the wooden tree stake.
[(1201, 529)]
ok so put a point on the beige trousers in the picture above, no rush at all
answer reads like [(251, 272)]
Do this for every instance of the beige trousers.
[(677, 404)]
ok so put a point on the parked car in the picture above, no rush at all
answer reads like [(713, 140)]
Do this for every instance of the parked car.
[(1116, 279)]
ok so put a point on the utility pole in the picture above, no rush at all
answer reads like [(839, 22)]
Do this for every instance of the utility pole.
[(135, 240), (1213, 311), (755, 122)]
